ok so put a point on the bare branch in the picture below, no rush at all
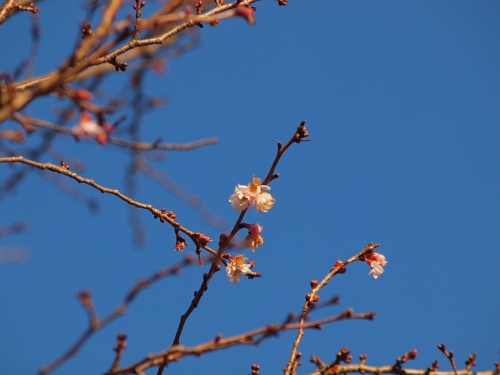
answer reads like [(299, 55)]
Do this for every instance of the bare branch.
[(312, 298), (255, 337), (138, 146), (64, 170)]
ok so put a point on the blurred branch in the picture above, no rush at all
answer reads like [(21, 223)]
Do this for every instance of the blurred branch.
[(139, 146), (180, 192), (93, 51), (13, 228)]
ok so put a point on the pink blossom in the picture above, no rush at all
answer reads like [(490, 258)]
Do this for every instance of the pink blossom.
[(376, 261)]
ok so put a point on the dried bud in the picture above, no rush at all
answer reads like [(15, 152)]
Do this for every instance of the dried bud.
[(339, 263), (247, 13), (204, 239)]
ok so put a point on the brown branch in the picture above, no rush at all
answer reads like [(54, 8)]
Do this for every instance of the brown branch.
[(449, 355), (174, 31), (106, 57), (181, 193), (95, 324), (223, 244), (389, 369), (312, 297), (7, 7), (14, 254), (299, 135), (16, 99), (64, 170), (343, 356), (254, 337)]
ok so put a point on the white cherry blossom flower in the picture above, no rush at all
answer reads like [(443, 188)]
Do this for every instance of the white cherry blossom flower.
[(252, 195), (236, 268), (376, 261)]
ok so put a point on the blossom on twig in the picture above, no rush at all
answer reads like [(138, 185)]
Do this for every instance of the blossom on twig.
[(253, 239), (87, 126), (376, 261), (252, 195), (236, 268)]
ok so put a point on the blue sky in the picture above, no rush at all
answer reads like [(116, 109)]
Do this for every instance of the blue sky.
[(402, 103)]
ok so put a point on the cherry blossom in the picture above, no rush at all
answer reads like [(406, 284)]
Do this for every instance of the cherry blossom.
[(236, 268), (252, 195), (376, 261)]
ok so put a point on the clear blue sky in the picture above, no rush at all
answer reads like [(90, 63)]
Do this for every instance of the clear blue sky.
[(402, 100)]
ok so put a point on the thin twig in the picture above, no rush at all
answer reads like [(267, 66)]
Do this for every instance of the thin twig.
[(311, 297), (157, 213), (449, 355), (139, 146)]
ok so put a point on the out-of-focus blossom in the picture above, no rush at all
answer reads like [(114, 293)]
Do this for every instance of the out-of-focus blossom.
[(12, 135), (253, 239), (376, 261), (252, 195), (236, 268), (87, 126)]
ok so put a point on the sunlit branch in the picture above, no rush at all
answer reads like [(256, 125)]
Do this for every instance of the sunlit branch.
[(396, 368), (104, 57), (254, 337)]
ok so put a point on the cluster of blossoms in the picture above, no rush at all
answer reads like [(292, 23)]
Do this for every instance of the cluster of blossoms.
[(256, 195), (376, 261), (252, 194)]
